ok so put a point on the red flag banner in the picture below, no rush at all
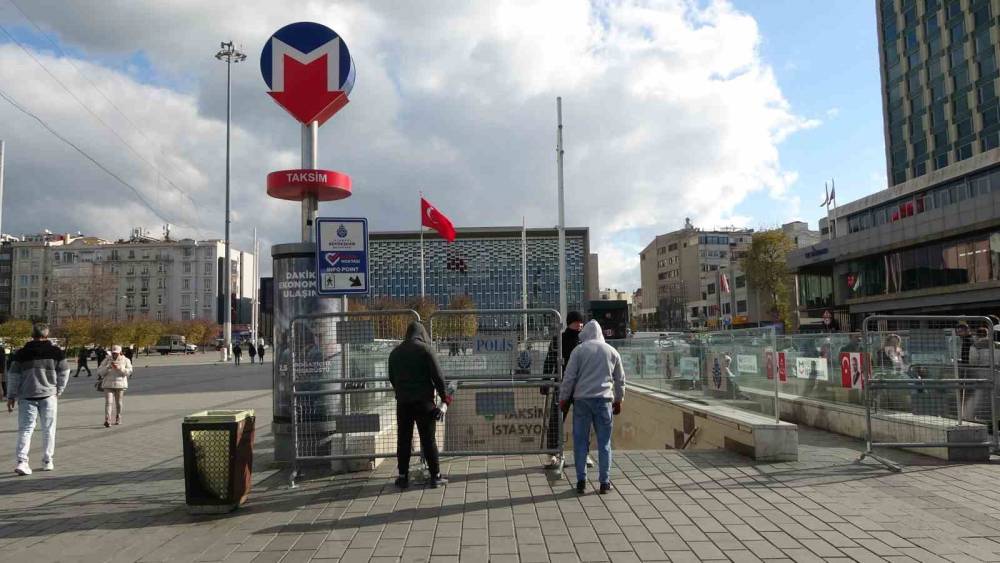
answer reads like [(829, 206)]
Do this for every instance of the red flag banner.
[(434, 219)]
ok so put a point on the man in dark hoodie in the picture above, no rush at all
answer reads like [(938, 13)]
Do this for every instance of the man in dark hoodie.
[(37, 376), (416, 378), (570, 339)]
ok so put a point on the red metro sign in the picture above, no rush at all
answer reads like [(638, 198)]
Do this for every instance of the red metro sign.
[(295, 185), (308, 70)]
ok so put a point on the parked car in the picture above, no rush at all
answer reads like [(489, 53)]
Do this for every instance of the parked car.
[(174, 343)]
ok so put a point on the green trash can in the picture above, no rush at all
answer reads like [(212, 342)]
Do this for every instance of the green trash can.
[(218, 459)]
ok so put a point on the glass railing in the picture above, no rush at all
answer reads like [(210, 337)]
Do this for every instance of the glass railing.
[(733, 368)]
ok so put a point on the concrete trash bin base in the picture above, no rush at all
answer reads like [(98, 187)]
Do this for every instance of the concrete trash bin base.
[(218, 459)]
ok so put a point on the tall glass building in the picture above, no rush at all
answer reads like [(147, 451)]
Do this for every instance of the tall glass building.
[(939, 95), (483, 263), (930, 243)]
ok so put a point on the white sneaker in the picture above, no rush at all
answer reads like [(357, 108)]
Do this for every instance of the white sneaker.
[(22, 468), (554, 461), (590, 461), (48, 466)]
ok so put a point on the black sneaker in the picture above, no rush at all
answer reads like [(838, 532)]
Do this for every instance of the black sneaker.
[(605, 488), (581, 487), (402, 481), (438, 481)]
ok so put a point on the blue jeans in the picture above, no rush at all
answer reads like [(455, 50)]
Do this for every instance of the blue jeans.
[(596, 412), (43, 414)]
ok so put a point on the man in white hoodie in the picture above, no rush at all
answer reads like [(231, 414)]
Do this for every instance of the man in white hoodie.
[(595, 381)]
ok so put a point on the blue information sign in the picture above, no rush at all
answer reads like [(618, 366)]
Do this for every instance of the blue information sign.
[(341, 255)]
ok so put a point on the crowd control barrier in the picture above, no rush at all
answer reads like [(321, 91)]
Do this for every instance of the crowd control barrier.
[(928, 382)]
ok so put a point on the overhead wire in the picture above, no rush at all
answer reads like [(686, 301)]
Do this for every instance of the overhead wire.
[(97, 117), (138, 194)]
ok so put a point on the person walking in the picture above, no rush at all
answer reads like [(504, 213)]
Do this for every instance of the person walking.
[(416, 377), (570, 339), (37, 377), (113, 375), (260, 351), (128, 352), (81, 361), (595, 381), (99, 354), (252, 350), (237, 353)]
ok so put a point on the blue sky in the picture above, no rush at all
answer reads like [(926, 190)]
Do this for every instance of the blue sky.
[(825, 56)]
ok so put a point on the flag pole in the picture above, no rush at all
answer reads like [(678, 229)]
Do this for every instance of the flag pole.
[(524, 275), (422, 245), (833, 200)]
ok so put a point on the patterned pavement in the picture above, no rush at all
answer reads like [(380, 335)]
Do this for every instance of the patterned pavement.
[(117, 495)]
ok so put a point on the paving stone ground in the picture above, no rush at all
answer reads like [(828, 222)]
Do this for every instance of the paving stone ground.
[(117, 495)]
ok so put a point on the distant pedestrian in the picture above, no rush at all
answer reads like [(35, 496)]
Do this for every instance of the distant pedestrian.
[(252, 350), (237, 353), (37, 377), (99, 354), (81, 361), (830, 324), (416, 378), (260, 351), (114, 374), (595, 381), (129, 352)]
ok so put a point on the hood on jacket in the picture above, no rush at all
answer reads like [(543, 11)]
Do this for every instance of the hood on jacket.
[(416, 333), (591, 331), (982, 343)]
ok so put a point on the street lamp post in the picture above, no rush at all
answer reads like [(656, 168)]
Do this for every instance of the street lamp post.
[(228, 54)]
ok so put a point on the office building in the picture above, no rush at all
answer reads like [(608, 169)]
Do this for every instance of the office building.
[(939, 97), (610, 294), (60, 277), (483, 263), (683, 274), (593, 277), (930, 243)]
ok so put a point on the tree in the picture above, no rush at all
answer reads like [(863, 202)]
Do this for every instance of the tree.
[(767, 271), (457, 326), (16, 332), (77, 331), (146, 332), (83, 290)]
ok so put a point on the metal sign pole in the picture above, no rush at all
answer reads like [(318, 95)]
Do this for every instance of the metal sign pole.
[(310, 204)]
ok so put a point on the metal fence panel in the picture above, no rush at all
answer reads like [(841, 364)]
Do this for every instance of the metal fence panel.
[(505, 366), (926, 378), (342, 403)]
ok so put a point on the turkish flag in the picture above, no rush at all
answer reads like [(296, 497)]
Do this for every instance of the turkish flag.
[(431, 217)]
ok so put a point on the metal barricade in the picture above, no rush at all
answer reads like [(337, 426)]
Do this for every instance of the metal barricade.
[(928, 382), (343, 406), (504, 367)]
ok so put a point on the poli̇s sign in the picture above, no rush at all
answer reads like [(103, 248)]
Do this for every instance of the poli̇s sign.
[(308, 70)]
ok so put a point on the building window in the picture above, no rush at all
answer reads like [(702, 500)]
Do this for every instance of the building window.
[(186, 284), (963, 152), (741, 306), (187, 267)]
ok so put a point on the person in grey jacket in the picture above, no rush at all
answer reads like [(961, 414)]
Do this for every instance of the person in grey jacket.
[(37, 376), (595, 382)]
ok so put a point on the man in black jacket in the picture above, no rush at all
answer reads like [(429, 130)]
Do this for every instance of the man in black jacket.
[(416, 378), (570, 339)]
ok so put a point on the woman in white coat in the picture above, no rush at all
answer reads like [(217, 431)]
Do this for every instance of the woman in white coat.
[(114, 372)]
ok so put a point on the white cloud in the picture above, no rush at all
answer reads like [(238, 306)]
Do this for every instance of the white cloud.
[(670, 112)]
